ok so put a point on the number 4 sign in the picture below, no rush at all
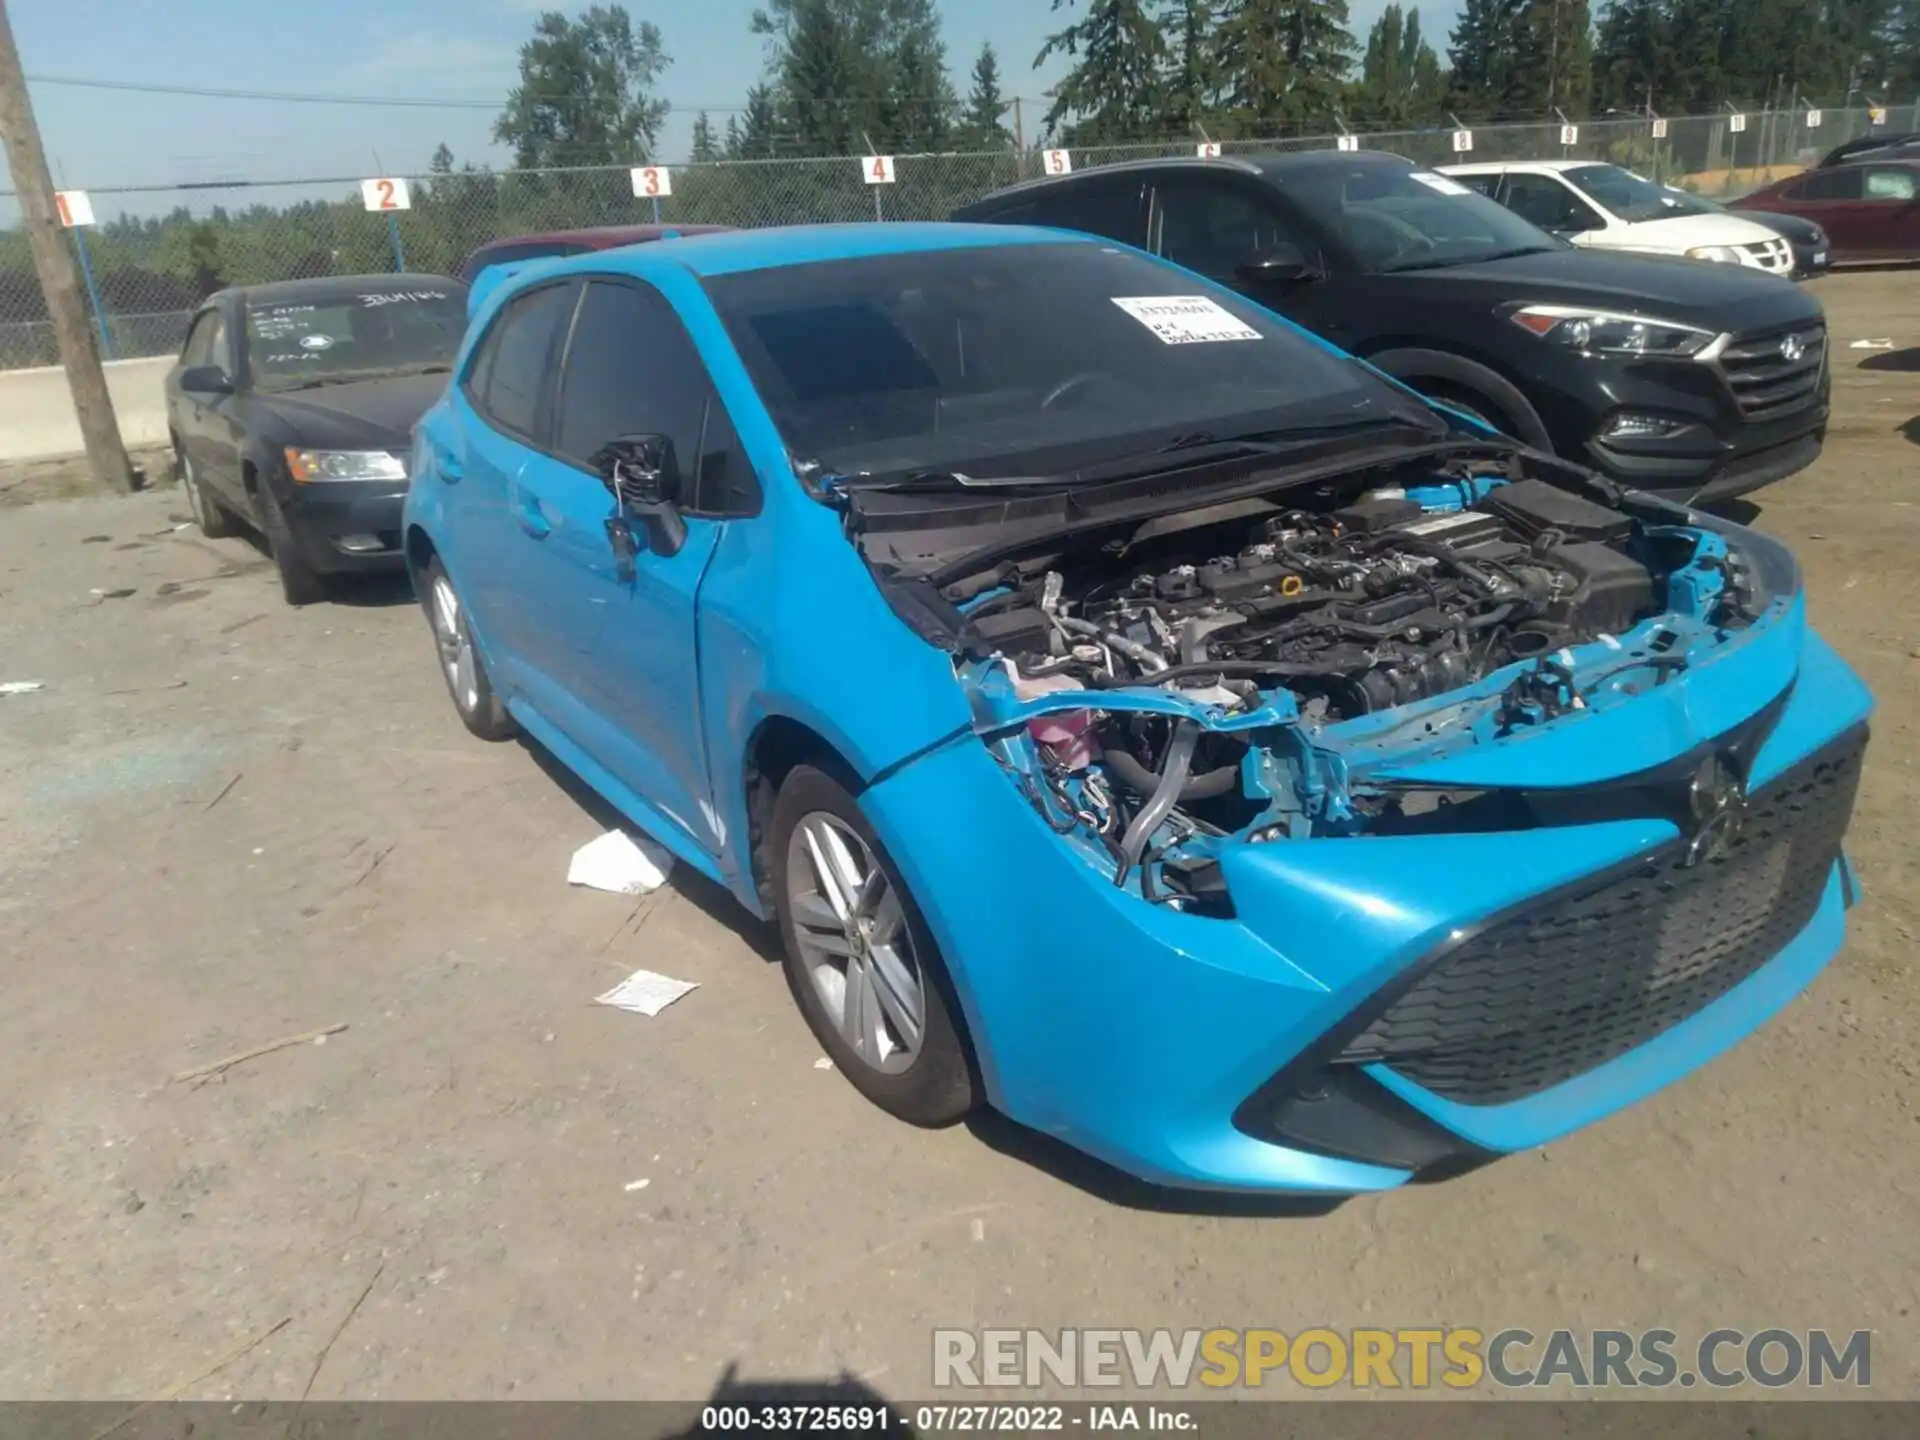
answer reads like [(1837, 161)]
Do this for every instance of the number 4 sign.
[(651, 182), (877, 169), (386, 193), (74, 207)]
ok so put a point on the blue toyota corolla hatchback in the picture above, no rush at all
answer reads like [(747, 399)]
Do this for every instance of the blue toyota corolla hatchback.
[(1138, 715)]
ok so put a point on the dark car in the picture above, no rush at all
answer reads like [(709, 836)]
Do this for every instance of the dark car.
[(1870, 208), (1697, 381), (1875, 147), (547, 243), (291, 410)]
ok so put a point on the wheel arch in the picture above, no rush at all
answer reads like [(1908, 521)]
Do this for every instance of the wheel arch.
[(777, 744), (1412, 364)]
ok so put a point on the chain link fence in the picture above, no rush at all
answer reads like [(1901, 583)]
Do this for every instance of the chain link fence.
[(165, 249)]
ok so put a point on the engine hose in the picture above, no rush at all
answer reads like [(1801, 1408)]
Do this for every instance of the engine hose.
[(1247, 669), (1173, 776), (1143, 657), (1137, 778)]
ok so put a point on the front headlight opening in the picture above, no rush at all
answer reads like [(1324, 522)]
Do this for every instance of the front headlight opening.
[(308, 466), (1603, 332), (1719, 254)]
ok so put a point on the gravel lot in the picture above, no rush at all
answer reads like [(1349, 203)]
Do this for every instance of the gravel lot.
[(224, 822)]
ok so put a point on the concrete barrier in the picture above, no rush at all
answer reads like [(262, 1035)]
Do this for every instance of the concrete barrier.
[(36, 408)]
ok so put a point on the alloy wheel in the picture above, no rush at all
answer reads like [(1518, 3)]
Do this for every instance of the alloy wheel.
[(855, 942), (450, 633), (196, 502)]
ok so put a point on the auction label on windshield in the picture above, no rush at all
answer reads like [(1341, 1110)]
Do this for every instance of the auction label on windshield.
[(1185, 319)]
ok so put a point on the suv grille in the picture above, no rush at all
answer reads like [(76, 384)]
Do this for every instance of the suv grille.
[(1773, 256), (1586, 975), (1779, 371)]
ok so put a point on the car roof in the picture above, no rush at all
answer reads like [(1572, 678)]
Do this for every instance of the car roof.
[(1488, 167), (1867, 145), (1274, 165), (729, 252), (320, 287), (603, 237)]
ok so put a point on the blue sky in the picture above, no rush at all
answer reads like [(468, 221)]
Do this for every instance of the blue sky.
[(454, 49)]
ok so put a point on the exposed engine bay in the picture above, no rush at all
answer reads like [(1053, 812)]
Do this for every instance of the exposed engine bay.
[(1239, 671)]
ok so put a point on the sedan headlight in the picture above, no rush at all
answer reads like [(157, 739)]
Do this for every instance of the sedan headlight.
[(1721, 254), (307, 466), (1608, 332)]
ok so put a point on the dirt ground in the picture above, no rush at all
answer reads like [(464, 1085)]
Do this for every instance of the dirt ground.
[(224, 822)]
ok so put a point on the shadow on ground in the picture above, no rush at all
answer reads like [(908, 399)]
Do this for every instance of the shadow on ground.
[(1901, 360)]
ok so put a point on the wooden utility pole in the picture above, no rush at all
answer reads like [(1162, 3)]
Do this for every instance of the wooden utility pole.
[(79, 355)]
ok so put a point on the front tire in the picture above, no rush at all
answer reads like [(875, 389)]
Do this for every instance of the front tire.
[(216, 522), (481, 711), (299, 581), (859, 959)]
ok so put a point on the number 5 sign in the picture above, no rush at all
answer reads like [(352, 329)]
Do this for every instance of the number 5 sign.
[(650, 182), (386, 193), (1059, 162), (877, 169)]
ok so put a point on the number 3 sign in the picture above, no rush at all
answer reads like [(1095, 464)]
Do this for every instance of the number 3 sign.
[(386, 193), (651, 182)]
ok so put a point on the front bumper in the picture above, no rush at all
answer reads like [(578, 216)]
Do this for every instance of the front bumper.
[(346, 525), (1162, 1042)]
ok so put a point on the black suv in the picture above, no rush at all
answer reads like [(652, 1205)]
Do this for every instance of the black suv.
[(1695, 380)]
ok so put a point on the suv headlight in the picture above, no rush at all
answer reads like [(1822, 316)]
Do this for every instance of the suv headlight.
[(1722, 254), (1608, 332), (307, 466)]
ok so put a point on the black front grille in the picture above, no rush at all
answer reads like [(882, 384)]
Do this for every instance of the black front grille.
[(1776, 371), (1585, 975)]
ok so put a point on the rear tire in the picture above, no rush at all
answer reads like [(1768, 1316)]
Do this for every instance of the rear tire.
[(299, 581), (859, 959), (216, 522), (480, 710)]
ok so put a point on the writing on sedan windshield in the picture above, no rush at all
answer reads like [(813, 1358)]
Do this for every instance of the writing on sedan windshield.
[(353, 333)]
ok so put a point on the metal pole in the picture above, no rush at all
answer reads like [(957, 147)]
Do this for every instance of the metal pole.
[(656, 209), (393, 237), (93, 292), (878, 213)]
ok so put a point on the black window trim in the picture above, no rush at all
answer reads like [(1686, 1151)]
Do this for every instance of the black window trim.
[(206, 311), (553, 393), (543, 402), (1315, 242)]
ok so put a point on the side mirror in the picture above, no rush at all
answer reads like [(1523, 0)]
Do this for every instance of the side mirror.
[(1276, 262), (642, 474), (206, 380)]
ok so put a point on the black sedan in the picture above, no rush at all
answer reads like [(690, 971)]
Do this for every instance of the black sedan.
[(291, 410)]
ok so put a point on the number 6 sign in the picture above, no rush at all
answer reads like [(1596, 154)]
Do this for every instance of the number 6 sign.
[(651, 182), (386, 193)]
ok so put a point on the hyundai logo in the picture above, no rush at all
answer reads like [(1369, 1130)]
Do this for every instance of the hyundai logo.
[(1718, 806), (1793, 347)]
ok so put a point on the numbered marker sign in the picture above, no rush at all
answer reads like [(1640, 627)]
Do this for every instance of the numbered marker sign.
[(1813, 119), (877, 169), (650, 182), (1659, 129), (389, 192), (1569, 134), (1208, 149), (1736, 123), (1462, 141), (1058, 162), (1352, 142), (1877, 115), (74, 207)]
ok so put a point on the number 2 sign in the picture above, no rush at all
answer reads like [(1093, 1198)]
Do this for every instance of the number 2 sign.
[(877, 169), (386, 193)]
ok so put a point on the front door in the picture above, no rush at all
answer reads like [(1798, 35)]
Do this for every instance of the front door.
[(1211, 223)]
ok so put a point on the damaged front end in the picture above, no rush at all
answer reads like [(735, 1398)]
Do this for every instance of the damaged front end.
[(1370, 655)]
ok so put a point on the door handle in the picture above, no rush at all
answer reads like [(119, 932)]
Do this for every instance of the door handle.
[(446, 461), (532, 518)]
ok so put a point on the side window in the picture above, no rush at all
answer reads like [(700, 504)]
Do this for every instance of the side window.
[(1842, 182), (1549, 204), (1481, 184), (1211, 227), (199, 347), (1109, 208), (1890, 184), (632, 369), (505, 380)]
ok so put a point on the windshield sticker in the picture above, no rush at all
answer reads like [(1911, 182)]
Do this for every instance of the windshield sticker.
[(1438, 182), (1185, 319), (315, 342), (399, 297)]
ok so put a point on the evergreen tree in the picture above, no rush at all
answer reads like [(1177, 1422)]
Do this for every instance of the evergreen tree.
[(846, 72), (919, 117), (705, 147), (1400, 81), (981, 126), (1113, 90), (585, 95), (1283, 62), (1480, 58), (1896, 39), (442, 161), (1552, 63), (1190, 82), (751, 135), (1630, 56), (1696, 83)]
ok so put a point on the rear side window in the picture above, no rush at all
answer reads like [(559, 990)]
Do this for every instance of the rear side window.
[(632, 369), (1549, 204), (505, 379), (1839, 183), (1484, 184), (1890, 184), (1109, 208)]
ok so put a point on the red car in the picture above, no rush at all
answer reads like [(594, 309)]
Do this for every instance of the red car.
[(571, 242), (1870, 209)]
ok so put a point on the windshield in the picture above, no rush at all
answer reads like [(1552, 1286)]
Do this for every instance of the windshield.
[(353, 335), (1630, 197), (1393, 219), (1011, 359)]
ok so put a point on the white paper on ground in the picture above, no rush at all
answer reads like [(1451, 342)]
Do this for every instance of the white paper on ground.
[(1871, 345), (645, 993), (21, 687), (1185, 319), (621, 864)]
